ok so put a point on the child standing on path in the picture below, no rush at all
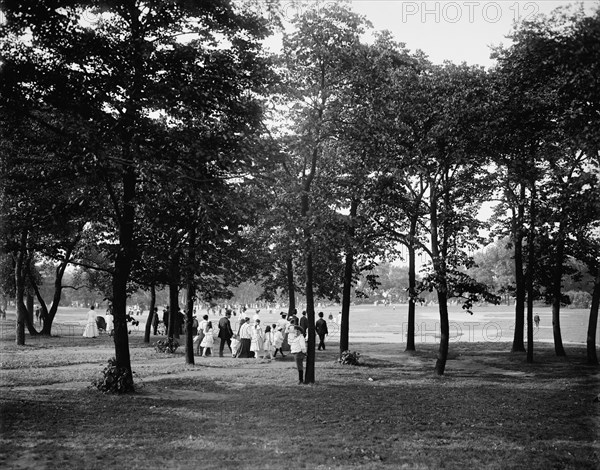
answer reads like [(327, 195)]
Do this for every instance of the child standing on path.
[(268, 344), (298, 349), (277, 340)]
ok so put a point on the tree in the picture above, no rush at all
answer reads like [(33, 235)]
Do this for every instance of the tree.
[(553, 106), (317, 57), (453, 155), (131, 79)]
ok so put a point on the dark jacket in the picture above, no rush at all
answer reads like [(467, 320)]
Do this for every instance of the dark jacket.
[(321, 327), (225, 331), (304, 323)]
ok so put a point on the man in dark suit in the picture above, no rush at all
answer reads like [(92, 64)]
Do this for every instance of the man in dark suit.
[(304, 323), (225, 332), (321, 329)]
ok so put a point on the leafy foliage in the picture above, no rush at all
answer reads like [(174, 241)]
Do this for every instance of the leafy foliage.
[(349, 358), (115, 379), (168, 345)]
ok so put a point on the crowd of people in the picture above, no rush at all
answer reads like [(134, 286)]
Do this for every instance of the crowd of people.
[(243, 335), (246, 337)]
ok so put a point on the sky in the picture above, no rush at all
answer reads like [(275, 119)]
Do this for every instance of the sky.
[(459, 31)]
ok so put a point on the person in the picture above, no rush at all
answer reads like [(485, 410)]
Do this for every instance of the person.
[(282, 322), (166, 318), (208, 340), (293, 317), (91, 329), (278, 340), (245, 338), (155, 320), (304, 322), (268, 344), (180, 321), (201, 332), (258, 340), (194, 325), (298, 349), (536, 320), (110, 324), (225, 332), (321, 329)]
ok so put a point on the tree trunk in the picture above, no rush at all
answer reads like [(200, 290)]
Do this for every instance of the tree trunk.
[(150, 318), (440, 364), (530, 271), (29, 300), (439, 267), (592, 357), (412, 283), (291, 288), (20, 291), (309, 375), (123, 262), (190, 295), (518, 342), (173, 310), (174, 297), (347, 288), (556, 295), (48, 315)]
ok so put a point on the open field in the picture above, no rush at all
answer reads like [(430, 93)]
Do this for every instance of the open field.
[(388, 324), (490, 410)]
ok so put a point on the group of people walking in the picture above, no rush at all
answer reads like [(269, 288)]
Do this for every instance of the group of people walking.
[(247, 338)]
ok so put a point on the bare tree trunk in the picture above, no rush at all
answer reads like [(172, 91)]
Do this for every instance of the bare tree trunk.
[(347, 288), (440, 364), (530, 271), (123, 263), (20, 290), (592, 357), (173, 297), (412, 283), (518, 342), (439, 267), (291, 288), (556, 295), (29, 304), (190, 295), (150, 318), (309, 375)]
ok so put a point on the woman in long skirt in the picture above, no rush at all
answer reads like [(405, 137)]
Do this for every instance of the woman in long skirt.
[(258, 339), (91, 328), (207, 342)]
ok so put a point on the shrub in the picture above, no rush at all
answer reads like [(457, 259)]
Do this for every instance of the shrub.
[(168, 345), (114, 379), (350, 358)]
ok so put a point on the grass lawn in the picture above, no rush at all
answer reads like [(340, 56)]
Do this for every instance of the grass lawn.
[(490, 410)]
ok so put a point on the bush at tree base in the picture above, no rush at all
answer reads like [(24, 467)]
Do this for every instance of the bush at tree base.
[(114, 379), (349, 358)]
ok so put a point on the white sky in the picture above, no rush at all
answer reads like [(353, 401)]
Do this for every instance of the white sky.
[(458, 30)]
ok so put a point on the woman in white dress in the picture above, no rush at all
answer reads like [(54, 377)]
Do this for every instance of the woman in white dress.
[(258, 339), (207, 342), (91, 329)]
